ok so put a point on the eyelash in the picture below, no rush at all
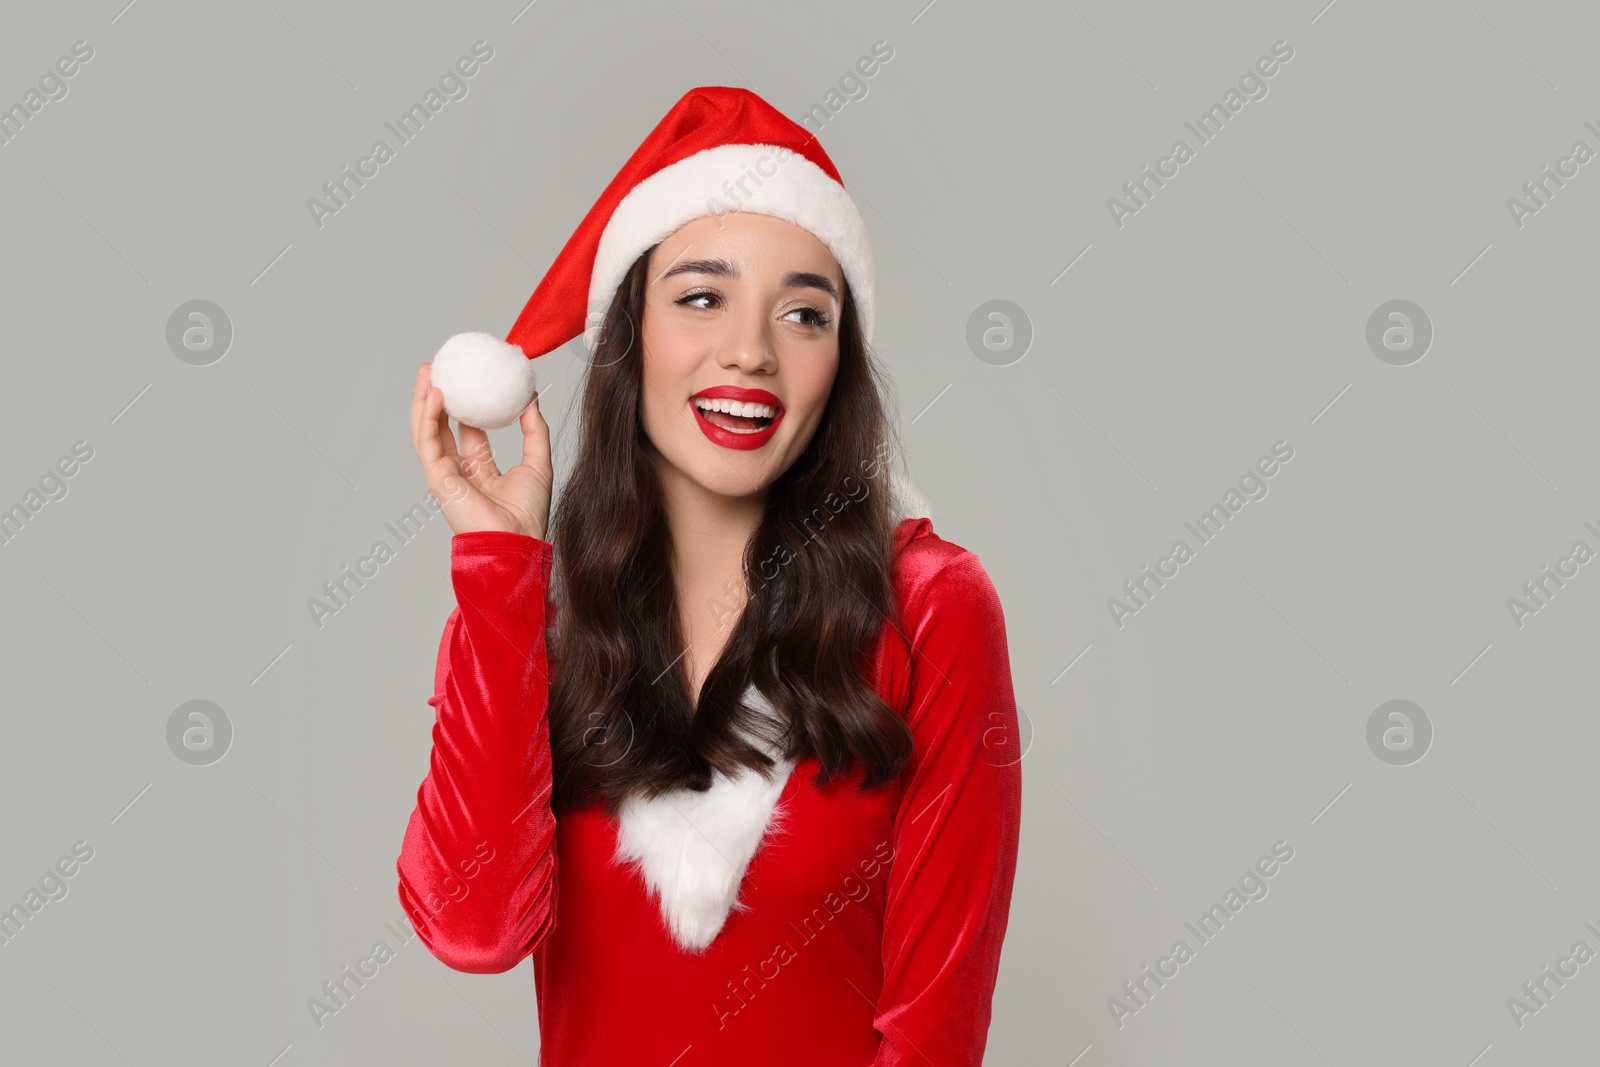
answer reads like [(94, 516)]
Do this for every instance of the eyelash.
[(822, 323)]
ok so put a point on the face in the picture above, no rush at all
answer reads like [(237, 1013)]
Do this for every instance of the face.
[(741, 312)]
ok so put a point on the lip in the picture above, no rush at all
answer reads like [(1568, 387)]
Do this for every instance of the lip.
[(727, 438)]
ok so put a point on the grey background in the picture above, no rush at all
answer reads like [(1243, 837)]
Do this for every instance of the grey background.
[(1228, 314)]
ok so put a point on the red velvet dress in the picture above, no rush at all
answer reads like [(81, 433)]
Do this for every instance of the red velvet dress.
[(868, 926)]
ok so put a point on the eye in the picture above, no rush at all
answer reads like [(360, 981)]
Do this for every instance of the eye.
[(818, 319), (688, 299)]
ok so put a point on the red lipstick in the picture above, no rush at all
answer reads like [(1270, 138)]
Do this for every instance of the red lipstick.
[(727, 438)]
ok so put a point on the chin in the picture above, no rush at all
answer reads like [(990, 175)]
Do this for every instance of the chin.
[(734, 480), (723, 472)]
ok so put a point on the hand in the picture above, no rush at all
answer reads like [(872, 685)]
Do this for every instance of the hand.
[(470, 489)]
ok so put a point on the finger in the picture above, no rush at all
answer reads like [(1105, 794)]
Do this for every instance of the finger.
[(438, 443), (429, 447), (419, 394), (478, 461), (441, 418), (535, 437)]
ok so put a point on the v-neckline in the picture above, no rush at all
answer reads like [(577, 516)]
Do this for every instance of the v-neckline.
[(692, 848)]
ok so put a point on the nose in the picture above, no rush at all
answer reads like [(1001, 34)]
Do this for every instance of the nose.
[(748, 344)]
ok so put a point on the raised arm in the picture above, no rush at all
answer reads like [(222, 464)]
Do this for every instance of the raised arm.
[(478, 867), (956, 831)]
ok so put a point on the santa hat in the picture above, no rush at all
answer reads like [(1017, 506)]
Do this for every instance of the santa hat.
[(719, 149)]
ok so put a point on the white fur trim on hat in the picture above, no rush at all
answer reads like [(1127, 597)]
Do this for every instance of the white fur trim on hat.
[(486, 382), (777, 181)]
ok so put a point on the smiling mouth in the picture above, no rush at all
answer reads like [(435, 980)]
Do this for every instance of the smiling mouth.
[(734, 416)]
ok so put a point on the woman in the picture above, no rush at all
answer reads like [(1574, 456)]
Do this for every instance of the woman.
[(725, 743)]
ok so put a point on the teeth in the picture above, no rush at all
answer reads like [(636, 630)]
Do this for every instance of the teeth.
[(735, 407)]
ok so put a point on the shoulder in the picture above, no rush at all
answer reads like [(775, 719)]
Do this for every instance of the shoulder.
[(952, 658), (933, 575), (920, 553)]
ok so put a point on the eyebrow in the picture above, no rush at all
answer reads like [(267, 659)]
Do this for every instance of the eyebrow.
[(722, 268)]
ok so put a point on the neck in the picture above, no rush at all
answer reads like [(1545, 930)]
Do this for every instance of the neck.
[(709, 535)]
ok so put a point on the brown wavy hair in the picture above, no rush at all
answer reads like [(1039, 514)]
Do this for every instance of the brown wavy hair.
[(819, 571)]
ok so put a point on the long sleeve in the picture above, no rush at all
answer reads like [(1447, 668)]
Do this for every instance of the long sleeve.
[(478, 866), (956, 830)]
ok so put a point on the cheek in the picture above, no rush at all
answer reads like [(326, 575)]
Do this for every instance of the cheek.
[(661, 370), (665, 374), (654, 402), (670, 351), (814, 386)]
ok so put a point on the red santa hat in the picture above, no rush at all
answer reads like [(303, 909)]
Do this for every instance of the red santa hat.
[(719, 149)]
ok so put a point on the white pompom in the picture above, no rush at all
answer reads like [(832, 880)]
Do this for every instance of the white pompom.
[(486, 382)]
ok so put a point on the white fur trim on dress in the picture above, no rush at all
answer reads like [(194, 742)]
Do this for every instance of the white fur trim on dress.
[(778, 181), (693, 848), (486, 382)]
